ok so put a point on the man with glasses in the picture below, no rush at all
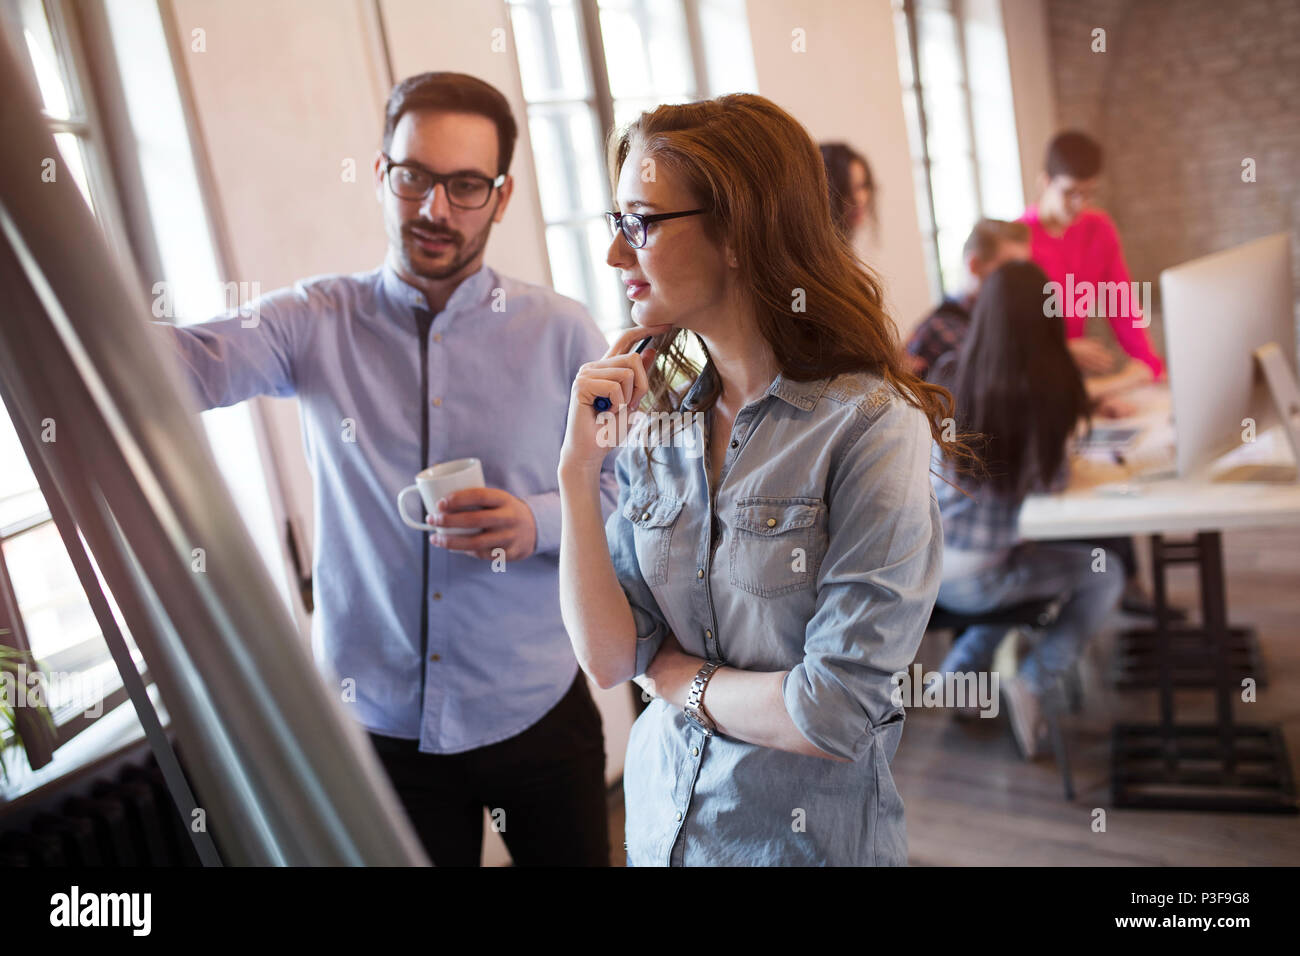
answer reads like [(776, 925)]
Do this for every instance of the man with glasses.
[(449, 648)]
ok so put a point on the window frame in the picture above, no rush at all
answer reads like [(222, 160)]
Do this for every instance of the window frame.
[(600, 103), (94, 142), (919, 137), (99, 121)]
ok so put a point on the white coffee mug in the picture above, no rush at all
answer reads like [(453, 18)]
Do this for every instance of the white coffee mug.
[(436, 482)]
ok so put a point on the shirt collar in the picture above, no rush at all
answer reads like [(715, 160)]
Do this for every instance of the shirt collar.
[(802, 395), (473, 291)]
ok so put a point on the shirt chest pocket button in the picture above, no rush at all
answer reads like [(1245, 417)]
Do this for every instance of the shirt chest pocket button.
[(777, 544), (653, 517)]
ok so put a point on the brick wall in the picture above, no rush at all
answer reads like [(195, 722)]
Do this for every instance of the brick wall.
[(1184, 92)]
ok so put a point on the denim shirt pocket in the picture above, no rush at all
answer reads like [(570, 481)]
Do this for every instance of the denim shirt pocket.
[(652, 516), (777, 544)]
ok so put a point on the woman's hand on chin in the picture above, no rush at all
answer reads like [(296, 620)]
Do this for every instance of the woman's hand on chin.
[(621, 376)]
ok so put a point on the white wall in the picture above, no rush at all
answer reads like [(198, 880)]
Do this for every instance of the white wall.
[(283, 95), (459, 35), (1028, 55), (846, 87)]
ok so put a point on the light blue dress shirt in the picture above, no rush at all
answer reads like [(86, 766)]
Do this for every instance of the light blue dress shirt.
[(502, 357), (819, 553)]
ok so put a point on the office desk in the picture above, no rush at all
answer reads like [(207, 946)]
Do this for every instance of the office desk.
[(1223, 766)]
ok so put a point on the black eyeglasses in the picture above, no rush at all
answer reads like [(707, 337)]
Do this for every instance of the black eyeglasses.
[(634, 225), (464, 190)]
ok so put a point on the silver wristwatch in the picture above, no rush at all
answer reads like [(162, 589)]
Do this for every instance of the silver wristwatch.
[(695, 698)]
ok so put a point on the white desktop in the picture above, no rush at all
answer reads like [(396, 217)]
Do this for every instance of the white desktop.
[(1184, 461), (1229, 319)]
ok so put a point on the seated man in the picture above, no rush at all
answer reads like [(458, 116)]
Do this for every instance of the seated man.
[(991, 243)]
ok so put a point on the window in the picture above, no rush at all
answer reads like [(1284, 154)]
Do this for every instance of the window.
[(589, 66), (952, 61), (187, 258), (47, 609), (169, 239)]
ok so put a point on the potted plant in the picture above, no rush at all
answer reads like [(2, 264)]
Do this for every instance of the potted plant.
[(14, 667)]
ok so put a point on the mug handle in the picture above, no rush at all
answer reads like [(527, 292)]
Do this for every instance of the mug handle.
[(401, 510)]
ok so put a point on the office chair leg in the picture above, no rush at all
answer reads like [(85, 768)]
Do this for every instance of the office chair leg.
[(1052, 707), (1074, 689)]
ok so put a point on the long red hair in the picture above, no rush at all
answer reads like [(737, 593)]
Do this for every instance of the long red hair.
[(761, 176)]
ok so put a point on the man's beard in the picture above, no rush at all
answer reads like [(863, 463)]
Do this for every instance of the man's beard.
[(465, 250)]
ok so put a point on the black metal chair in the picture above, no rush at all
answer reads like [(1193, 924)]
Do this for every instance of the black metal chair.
[(1039, 613), (1030, 614)]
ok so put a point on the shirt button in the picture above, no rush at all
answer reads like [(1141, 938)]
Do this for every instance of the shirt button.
[(437, 401), (695, 751), (437, 336), (735, 443), (437, 595), (708, 633), (771, 522), (679, 814), (646, 516), (699, 573), (435, 657)]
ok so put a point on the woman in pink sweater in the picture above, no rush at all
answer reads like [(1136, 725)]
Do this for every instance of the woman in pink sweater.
[(1079, 250)]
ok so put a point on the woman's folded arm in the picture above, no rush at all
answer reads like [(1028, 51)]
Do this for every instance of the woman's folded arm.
[(613, 621)]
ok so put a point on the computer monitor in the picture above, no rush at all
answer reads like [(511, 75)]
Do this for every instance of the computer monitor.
[(1217, 311)]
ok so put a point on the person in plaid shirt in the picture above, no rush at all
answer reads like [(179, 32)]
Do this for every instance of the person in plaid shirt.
[(991, 243), (1015, 383)]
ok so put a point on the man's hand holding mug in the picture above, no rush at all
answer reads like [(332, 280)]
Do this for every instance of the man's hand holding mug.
[(505, 522), (469, 517)]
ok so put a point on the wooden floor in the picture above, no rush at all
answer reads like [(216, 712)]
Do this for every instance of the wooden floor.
[(971, 800)]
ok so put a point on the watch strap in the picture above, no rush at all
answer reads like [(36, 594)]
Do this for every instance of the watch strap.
[(695, 697)]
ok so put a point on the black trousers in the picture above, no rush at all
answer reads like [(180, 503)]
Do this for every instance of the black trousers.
[(544, 789)]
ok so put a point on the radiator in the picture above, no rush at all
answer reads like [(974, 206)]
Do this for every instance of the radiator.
[(127, 821)]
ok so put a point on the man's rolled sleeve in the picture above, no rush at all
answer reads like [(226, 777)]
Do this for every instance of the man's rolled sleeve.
[(876, 586), (651, 627)]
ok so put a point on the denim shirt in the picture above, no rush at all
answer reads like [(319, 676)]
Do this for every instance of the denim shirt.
[(818, 553)]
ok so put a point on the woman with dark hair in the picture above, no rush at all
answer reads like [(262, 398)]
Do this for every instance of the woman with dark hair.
[(776, 550), (1015, 384), (850, 186)]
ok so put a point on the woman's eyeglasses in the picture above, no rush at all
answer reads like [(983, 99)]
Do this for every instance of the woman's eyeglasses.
[(464, 190), (634, 225)]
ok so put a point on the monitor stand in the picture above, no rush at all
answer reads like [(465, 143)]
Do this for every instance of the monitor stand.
[(1271, 365)]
